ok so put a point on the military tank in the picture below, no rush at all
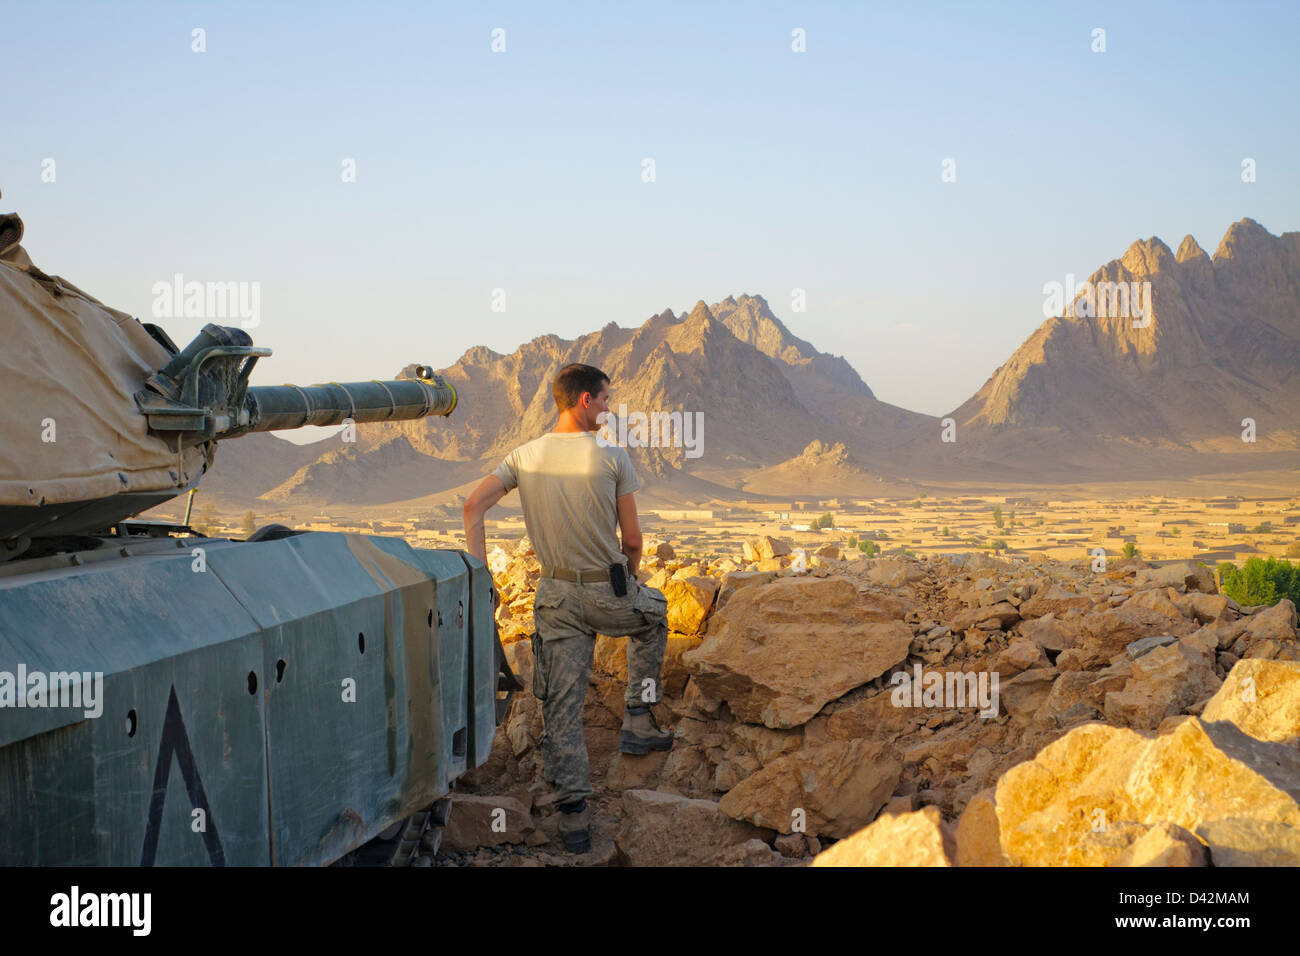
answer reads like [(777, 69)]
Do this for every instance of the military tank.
[(295, 698)]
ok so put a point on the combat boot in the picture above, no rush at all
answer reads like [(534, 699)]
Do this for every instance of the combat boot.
[(575, 827), (640, 733)]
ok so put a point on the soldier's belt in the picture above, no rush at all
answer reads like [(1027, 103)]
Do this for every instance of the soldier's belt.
[(577, 577)]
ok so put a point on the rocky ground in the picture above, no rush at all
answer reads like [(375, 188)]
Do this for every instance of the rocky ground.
[(1143, 718)]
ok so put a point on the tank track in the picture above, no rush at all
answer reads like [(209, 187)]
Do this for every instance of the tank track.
[(405, 843)]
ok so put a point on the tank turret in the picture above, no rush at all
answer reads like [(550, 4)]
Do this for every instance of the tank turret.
[(114, 419), (298, 697)]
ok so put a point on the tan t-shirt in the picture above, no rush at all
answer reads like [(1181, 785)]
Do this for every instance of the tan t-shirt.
[(568, 486)]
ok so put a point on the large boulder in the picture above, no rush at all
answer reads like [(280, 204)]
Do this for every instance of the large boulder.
[(1049, 633), (1137, 844), (733, 581), (895, 572), (778, 654), (661, 829), (764, 743), (919, 838), (1209, 607), (1024, 694), (1055, 600), (1074, 697), (874, 715), (1167, 602), (1262, 698), (1108, 633), (990, 617), (1185, 576), (1196, 777), (833, 790), (478, 821), (1020, 655), (1251, 842), (690, 600), (1163, 683), (644, 772), (978, 833), (1278, 623), (764, 548)]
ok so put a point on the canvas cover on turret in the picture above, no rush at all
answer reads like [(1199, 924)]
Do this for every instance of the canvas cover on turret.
[(69, 426)]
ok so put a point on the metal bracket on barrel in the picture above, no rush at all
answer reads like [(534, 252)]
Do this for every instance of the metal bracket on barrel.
[(187, 414)]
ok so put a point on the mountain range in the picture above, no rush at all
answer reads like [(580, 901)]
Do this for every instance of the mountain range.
[(1161, 392)]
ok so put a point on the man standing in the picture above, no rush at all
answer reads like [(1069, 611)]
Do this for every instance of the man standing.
[(575, 492)]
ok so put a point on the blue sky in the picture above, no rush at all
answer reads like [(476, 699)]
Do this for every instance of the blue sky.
[(522, 170)]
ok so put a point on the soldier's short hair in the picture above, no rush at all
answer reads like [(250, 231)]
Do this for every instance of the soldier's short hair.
[(573, 380)]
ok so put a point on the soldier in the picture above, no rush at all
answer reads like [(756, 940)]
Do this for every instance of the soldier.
[(575, 491)]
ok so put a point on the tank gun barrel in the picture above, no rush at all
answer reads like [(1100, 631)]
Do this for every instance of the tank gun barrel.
[(273, 407), (203, 394)]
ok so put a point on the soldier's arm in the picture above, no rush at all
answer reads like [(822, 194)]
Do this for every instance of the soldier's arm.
[(630, 531), (489, 491)]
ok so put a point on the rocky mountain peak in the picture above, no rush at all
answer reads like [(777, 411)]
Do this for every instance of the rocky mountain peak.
[(750, 319), (480, 355), (1243, 237), (700, 315), (1146, 257), (1213, 337), (1189, 250), (822, 382)]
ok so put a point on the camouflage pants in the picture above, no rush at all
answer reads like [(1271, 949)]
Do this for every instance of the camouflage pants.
[(568, 617)]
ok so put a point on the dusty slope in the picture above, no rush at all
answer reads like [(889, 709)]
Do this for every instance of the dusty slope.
[(825, 466), (254, 464)]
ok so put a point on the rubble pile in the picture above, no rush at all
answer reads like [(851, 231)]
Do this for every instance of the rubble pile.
[(1141, 718)]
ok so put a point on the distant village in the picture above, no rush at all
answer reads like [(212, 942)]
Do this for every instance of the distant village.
[(1157, 528)]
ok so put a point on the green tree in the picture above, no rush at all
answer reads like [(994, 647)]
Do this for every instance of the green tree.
[(1130, 549), (868, 548), (1260, 581), (945, 532), (998, 544), (853, 541), (997, 516), (249, 523)]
